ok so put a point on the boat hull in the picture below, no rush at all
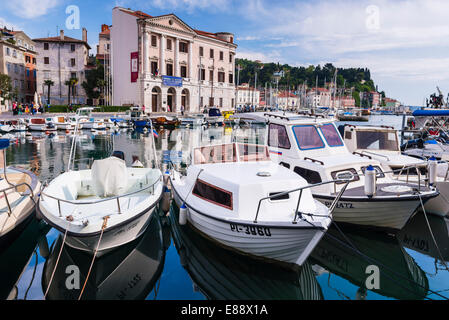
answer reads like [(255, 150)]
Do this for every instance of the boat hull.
[(40, 127), (390, 214), (291, 245)]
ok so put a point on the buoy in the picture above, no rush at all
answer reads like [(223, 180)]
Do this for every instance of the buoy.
[(370, 181), (432, 170), (67, 131), (183, 215), (47, 132), (166, 177), (166, 200)]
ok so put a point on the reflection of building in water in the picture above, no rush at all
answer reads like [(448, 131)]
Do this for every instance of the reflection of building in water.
[(400, 276), (223, 274), (128, 273)]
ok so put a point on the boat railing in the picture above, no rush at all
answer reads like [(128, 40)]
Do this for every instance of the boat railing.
[(116, 198), (297, 212), (375, 154), (15, 186)]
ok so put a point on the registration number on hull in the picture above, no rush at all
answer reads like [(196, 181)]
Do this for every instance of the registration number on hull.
[(251, 230), (340, 205)]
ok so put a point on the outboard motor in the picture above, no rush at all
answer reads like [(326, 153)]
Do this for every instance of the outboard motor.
[(118, 154)]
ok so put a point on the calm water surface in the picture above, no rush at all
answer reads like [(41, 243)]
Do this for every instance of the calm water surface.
[(169, 262)]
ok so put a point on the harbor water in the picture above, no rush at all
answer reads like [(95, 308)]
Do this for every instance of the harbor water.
[(170, 262)]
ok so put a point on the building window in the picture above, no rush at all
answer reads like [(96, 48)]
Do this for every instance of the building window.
[(169, 44), (153, 41), (72, 47), (34, 60), (211, 101), (201, 51), (28, 72), (201, 101), (221, 102), (169, 69), (211, 75), (211, 53), (72, 62), (221, 56), (46, 75), (183, 47), (230, 58), (231, 78), (202, 74), (154, 69), (8, 53), (46, 46), (14, 53), (184, 71), (73, 75), (221, 77), (34, 73)]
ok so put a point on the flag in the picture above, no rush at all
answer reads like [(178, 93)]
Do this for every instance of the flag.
[(155, 134)]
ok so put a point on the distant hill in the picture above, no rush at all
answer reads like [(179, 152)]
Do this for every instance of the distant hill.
[(359, 79)]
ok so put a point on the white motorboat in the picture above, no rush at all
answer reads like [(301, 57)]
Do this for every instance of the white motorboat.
[(382, 144), (61, 123), (40, 124), (193, 120), (6, 126), (103, 207), (19, 125), (235, 195), (18, 195), (213, 116), (84, 116), (313, 148)]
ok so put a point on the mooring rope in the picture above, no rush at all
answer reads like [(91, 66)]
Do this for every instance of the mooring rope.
[(56, 264), (431, 233), (105, 222)]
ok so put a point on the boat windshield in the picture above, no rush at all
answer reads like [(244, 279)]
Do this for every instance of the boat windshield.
[(228, 153), (307, 137), (331, 135), (377, 140), (84, 112)]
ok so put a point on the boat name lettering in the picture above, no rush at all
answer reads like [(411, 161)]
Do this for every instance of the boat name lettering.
[(251, 230), (419, 244), (341, 205)]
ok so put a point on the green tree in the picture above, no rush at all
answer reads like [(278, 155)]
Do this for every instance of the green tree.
[(68, 83), (49, 84), (5, 88), (94, 84)]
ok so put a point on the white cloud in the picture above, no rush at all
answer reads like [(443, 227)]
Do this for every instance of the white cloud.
[(9, 25), (30, 9), (257, 55)]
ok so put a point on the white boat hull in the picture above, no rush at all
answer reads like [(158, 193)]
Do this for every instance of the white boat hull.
[(439, 205), (40, 127), (287, 244), (65, 126), (391, 214)]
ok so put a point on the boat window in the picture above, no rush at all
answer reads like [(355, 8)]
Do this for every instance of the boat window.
[(215, 154), (379, 172), (213, 194), (278, 137), (312, 177), (377, 140), (253, 152), (345, 175), (331, 135), (282, 197), (409, 171), (348, 135), (308, 137)]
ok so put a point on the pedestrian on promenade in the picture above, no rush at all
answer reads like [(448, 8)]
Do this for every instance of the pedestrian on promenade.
[(27, 110), (182, 109)]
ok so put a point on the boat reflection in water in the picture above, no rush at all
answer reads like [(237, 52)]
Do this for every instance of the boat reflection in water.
[(416, 236), (400, 276), (222, 274), (129, 272), (15, 257)]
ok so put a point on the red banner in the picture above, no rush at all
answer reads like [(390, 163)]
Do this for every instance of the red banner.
[(134, 66)]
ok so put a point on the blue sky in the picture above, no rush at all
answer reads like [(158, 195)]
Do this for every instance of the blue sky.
[(403, 42)]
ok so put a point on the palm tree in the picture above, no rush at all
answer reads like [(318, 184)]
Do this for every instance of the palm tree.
[(48, 83)]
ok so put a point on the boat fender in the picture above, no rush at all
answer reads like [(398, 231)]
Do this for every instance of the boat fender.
[(183, 215), (370, 181), (166, 177), (166, 200), (432, 170)]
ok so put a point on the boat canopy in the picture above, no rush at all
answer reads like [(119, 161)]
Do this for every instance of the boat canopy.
[(431, 113), (233, 152)]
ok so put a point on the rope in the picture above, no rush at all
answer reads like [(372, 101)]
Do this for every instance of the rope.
[(56, 264), (105, 222), (431, 233)]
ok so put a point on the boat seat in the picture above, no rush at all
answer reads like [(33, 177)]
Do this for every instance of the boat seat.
[(109, 177)]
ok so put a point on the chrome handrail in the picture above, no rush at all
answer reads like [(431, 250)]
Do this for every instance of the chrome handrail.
[(15, 188), (101, 200), (334, 203)]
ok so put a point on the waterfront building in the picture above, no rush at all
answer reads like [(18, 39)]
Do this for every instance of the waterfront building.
[(60, 59), (161, 63), (104, 57), (287, 100), (345, 102), (373, 99), (18, 61), (318, 97), (247, 96)]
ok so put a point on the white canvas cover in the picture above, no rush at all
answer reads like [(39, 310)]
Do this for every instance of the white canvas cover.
[(109, 177)]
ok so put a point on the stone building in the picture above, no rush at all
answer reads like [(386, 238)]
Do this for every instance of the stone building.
[(247, 96), (162, 63), (60, 59)]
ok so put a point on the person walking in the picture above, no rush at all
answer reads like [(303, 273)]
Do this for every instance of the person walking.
[(182, 109)]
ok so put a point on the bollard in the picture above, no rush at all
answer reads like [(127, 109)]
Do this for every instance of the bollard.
[(432, 170), (370, 181), (183, 215)]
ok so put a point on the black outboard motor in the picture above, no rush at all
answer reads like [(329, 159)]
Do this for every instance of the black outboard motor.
[(119, 154)]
